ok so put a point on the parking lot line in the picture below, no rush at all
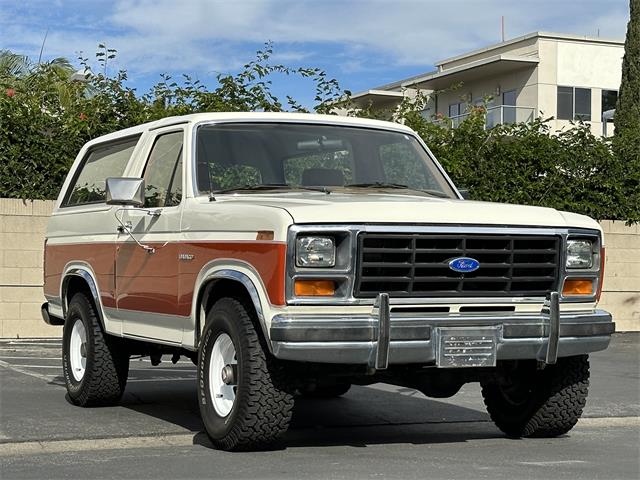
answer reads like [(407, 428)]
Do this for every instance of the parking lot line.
[(60, 446), (178, 379), (35, 366), (25, 371), (6, 357)]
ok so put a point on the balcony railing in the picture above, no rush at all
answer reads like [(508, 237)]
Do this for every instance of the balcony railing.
[(497, 115)]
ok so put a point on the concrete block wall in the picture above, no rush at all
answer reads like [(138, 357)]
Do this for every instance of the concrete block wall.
[(621, 288), (22, 227)]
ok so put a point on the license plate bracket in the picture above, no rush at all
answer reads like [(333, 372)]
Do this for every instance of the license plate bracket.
[(460, 347)]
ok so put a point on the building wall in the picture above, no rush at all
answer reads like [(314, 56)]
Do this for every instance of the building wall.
[(562, 62), (621, 289), (577, 64), (523, 80), (22, 230)]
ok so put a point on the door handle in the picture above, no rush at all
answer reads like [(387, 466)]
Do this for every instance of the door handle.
[(124, 228), (127, 227)]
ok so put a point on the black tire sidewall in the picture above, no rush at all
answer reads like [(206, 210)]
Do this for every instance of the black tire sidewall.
[(539, 414), (78, 311), (220, 320)]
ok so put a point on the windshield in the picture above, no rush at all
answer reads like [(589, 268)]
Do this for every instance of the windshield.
[(257, 157)]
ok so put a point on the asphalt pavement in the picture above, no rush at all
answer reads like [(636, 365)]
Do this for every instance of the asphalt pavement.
[(379, 431)]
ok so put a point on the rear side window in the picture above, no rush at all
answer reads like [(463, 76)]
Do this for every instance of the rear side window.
[(163, 173), (102, 162)]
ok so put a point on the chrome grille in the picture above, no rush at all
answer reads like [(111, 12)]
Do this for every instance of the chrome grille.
[(417, 265)]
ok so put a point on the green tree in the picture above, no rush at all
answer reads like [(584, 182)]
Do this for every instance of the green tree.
[(627, 116), (626, 141), (45, 117)]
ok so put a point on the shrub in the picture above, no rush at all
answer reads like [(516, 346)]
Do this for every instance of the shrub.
[(45, 118)]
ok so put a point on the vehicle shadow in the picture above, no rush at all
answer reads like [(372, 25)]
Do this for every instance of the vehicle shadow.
[(364, 416)]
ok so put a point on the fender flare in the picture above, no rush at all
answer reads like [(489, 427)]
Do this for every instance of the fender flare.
[(235, 270), (84, 271)]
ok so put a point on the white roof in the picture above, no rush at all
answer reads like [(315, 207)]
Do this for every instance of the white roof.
[(254, 117), (549, 35)]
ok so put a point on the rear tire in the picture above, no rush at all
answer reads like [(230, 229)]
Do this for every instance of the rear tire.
[(95, 365), (539, 403), (244, 400)]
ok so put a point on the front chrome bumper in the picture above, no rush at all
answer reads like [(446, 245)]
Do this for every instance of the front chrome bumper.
[(382, 338)]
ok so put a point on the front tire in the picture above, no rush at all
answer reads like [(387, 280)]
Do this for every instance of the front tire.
[(244, 401), (539, 403), (95, 366)]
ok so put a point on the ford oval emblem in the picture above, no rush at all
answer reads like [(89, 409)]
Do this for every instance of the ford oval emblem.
[(464, 264)]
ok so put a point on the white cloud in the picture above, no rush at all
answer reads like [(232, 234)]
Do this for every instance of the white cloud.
[(409, 32), (209, 36)]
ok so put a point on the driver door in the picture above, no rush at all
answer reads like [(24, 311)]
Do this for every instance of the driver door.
[(147, 260)]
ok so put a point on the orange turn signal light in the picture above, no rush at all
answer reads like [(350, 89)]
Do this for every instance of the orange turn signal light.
[(315, 288), (577, 286)]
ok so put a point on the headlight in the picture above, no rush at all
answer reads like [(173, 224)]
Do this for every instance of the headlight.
[(579, 254), (315, 251)]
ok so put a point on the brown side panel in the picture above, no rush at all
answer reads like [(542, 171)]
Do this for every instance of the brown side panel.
[(268, 258), (149, 282), (145, 281), (100, 256)]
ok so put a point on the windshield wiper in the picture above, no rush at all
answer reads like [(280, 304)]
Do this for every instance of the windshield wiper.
[(434, 193), (377, 185)]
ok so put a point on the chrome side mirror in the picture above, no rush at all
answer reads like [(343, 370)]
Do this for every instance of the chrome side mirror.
[(125, 191)]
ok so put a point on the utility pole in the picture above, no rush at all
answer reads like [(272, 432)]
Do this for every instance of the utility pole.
[(42, 46), (502, 25)]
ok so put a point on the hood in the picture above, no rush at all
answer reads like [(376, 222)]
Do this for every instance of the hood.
[(316, 208)]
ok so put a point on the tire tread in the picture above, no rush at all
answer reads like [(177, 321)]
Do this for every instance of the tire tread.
[(266, 414), (105, 382), (556, 404)]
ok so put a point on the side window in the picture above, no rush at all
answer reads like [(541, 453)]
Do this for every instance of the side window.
[(163, 172), (100, 163)]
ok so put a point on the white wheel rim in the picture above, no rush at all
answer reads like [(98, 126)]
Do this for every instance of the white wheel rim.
[(222, 394), (78, 350)]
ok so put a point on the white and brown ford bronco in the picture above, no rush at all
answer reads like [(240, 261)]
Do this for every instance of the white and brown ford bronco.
[(292, 254)]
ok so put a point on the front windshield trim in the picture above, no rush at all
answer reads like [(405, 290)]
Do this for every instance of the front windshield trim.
[(390, 128)]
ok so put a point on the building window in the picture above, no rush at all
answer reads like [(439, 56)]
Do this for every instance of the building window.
[(574, 104), (565, 103), (582, 104), (609, 99), (509, 98), (509, 106), (456, 109)]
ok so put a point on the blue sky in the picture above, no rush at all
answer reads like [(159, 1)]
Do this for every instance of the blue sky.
[(362, 43)]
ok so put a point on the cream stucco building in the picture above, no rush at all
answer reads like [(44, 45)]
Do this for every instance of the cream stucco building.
[(540, 74)]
